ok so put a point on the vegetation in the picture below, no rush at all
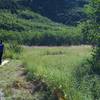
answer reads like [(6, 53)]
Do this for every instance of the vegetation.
[(59, 13), (12, 50), (89, 78), (18, 21), (32, 29), (54, 67), (71, 73), (96, 35), (92, 32)]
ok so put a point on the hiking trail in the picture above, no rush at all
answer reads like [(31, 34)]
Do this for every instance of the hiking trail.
[(13, 83)]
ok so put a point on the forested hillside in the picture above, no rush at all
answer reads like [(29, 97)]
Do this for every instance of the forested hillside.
[(32, 29), (64, 11), (18, 21)]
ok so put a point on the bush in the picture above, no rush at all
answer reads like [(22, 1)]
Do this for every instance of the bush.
[(12, 50)]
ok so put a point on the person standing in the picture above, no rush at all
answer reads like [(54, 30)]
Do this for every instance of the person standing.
[(1, 51)]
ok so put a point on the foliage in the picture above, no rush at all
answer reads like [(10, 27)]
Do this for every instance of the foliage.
[(88, 76), (54, 66), (30, 28), (12, 50), (94, 17), (18, 21), (57, 10), (96, 59), (88, 32)]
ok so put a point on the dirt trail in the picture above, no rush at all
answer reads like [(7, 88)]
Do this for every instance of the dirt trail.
[(13, 83)]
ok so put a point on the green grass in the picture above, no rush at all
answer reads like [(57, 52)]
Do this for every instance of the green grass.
[(56, 65)]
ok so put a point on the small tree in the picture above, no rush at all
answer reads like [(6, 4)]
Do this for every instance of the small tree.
[(93, 12)]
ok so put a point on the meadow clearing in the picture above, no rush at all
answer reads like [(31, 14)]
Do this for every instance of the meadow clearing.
[(56, 65)]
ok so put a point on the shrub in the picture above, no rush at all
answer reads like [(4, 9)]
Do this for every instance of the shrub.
[(11, 50)]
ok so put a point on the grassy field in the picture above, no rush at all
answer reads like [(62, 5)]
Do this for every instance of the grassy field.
[(56, 65)]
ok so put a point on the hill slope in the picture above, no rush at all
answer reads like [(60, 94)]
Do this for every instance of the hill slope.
[(64, 11), (33, 29)]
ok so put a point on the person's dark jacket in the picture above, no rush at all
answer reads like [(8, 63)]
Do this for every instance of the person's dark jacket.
[(1, 47)]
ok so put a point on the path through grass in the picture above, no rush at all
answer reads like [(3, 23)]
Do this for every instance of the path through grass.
[(13, 84)]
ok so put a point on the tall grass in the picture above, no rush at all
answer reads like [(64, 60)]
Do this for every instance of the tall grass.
[(56, 65), (12, 50)]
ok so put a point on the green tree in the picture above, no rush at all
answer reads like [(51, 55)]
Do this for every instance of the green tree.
[(93, 12)]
